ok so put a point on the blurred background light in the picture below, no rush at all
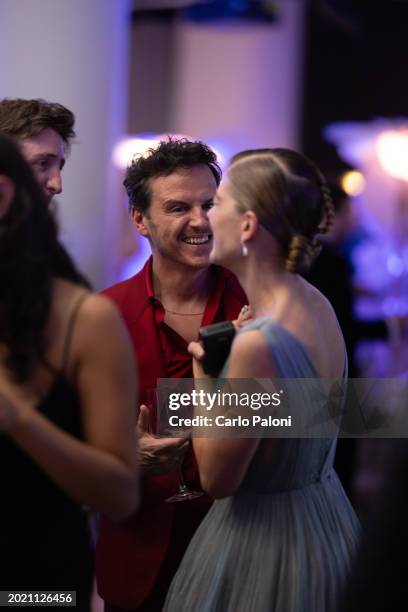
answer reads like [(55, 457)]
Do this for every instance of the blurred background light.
[(395, 265), (130, 146), (139, 144), (392, 152), (135, 262), (353, 182)]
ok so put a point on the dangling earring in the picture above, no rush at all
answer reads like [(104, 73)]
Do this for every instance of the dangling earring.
[(244, 249)]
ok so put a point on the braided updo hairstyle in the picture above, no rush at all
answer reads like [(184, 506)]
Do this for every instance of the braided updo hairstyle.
[(290, 197)]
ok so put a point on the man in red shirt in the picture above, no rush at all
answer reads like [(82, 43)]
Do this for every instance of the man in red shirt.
[(170, 193)]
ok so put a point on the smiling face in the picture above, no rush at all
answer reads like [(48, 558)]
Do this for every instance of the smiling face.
[(176, 222), (46, 155), (226, 224)]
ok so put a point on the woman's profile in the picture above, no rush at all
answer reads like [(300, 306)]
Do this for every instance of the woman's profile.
[(281, 533)]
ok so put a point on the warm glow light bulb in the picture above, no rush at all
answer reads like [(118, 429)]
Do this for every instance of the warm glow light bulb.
[(392, 151), (353, 182)]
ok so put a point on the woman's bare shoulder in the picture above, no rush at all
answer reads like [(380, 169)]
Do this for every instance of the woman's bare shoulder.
[(94, 321), (93, 308), (251, 356)]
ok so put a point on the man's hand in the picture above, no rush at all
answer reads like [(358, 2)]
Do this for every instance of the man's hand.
[(158, 455)]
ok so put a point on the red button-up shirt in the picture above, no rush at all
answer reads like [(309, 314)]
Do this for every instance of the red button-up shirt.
[(176, 356)]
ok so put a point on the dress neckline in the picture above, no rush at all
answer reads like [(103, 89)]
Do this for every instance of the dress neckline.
[(58, 379)]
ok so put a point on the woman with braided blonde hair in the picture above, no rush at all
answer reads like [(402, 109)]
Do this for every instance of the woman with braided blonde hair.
[(281, 534)]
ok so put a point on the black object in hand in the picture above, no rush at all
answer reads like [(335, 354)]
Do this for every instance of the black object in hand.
[(217, 340)]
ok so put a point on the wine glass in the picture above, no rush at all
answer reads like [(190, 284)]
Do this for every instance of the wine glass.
[(184, 493)]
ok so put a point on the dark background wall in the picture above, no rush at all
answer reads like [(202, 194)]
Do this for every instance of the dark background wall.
[(356, 68), (355, 65)]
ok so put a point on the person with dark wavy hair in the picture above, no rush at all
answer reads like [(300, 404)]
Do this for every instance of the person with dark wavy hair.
[(45, 131), (171, 190), (281, 533), (169, 156), (67, 394)]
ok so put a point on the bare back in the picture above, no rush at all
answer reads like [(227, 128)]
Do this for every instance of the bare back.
[(311, 319)]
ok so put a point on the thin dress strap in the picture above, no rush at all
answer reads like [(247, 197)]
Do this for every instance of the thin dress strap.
[(70, 326)]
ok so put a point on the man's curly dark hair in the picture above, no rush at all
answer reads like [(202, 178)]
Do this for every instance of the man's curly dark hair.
[(168, 157)]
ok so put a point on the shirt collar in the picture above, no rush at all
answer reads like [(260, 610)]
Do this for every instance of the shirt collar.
[(148, 278)]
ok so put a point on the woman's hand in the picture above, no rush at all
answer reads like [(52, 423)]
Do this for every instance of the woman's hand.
[(196, 350), (245, 315)]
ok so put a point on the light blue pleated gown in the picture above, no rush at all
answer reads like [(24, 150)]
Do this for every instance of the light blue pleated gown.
[(285, 541)]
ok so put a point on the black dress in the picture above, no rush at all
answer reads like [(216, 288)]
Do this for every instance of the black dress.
[(44, 535), (45, 539)]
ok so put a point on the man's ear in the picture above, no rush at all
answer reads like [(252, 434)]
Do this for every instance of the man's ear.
[(138, 220), (7, 191)]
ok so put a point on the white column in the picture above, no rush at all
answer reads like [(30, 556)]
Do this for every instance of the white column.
[(76, 52), (240, 82)]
